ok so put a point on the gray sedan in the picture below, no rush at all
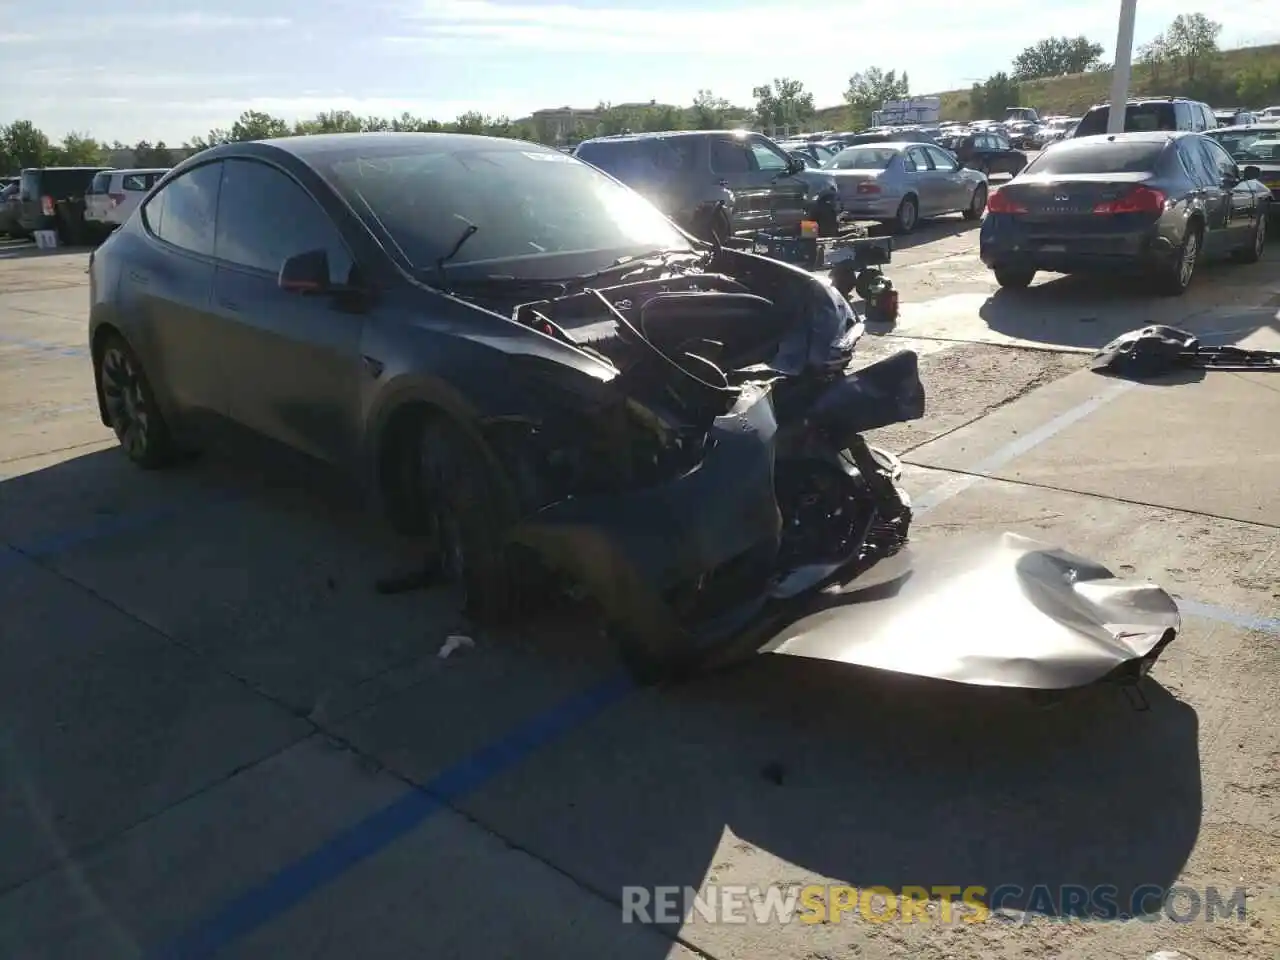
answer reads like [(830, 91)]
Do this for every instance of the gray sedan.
[(900, 183)]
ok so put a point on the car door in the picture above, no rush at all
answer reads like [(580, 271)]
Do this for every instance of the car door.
[(949, 175), (733, 166), (295, 358), (167, 289), (1215, 200), (929, 188), (1241, 203), (786, 191)]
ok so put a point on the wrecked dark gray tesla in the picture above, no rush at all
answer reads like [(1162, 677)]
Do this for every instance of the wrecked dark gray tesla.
[(529, 364)]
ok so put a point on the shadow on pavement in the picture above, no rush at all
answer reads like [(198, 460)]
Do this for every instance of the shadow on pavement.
[(927, 231), (1087, 312)]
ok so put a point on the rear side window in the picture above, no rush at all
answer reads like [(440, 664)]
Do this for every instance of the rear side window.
[(265, 217), (183, 212), (638, 160), (1100, 156), (140, 181), (1137, 117), (730, 155), (64, 184), (101, 183)]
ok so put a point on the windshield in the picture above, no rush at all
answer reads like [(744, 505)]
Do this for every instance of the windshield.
[(861, 158), (1098, 156), (529, 205), (1240, 143), (1137, 117)]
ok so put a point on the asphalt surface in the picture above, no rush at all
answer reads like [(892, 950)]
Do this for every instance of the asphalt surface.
[(216, 739)]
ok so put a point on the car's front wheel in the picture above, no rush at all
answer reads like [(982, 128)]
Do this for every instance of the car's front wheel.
[(469, 514), (131, 408), (1252, 253), (1014, 278), (977, 203)]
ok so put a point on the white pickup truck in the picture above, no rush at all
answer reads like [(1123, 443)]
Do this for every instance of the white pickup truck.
[(114, 194)]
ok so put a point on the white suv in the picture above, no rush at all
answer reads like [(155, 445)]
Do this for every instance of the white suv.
[(114, 194)]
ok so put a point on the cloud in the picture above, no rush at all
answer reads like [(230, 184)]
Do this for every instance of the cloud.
[(96, 27)]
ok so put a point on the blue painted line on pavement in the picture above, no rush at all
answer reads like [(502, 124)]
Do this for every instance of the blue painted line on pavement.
[(1245, 621), (297, 881)]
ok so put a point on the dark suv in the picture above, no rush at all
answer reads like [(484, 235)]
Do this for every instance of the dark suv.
[(1151, 113), (687, 174), (52, 198)]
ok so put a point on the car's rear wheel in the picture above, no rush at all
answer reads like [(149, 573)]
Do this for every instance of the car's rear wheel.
[(908, 215), (977, 203), (131, 408), (1253, 252), (1015, 278), (469, 514), (1175, 277)]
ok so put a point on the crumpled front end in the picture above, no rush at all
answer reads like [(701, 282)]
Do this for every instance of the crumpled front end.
[(686, 559), (1000, 611)]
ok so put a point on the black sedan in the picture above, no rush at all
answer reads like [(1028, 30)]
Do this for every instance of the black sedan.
[(522, 360), (1153, 202)]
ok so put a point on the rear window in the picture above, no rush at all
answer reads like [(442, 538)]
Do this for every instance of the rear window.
[(1137, 117), (1099, 156), (862, 158), (637, 161), (59, 184), (101, 183)]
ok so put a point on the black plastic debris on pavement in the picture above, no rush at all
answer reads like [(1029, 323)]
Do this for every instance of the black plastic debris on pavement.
[(1158, 350)]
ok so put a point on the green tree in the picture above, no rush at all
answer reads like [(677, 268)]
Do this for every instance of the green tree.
[(1255, 85), (78, 150), (783, 103), (22, 144), (1153, 56), (709, 112), (147, 155), (256, 125), (1055, 57), (869, 89), (988, 100), (1192, 43)]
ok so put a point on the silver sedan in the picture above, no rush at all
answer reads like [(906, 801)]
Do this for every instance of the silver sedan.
[(901, 183)]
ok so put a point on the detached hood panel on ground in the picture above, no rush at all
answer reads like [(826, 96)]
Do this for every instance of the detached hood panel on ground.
[(1001, 611)]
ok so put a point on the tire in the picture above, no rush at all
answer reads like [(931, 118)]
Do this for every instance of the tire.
[(471, 512), (1015, 278), (132, 411), (908, 215), (1253, 252), (977, 203), (1174, 279)]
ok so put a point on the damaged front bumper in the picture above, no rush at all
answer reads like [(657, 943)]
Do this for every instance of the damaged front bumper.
[(999, 611)]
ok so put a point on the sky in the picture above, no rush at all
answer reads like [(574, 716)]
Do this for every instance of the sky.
[(155, 70)]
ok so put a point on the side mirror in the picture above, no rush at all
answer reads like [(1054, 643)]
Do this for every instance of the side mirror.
[(794, 165), (305, 273), (1251, 173)]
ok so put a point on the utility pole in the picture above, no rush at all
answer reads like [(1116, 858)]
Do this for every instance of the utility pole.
[(1123, 68)]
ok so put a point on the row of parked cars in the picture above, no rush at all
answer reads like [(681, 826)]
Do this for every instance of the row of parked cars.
[(78, 204)]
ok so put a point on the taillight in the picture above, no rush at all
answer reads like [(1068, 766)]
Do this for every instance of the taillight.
[(865, 187), (46, 206), (116, 199), (997, 202), (1138, 200)]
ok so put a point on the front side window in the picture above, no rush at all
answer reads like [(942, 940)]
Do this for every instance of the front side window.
[(729, 155), (265, 217), (940, 159), (184, 211), (767, 158)]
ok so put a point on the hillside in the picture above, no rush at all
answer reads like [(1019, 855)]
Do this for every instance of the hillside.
[(1072, 95)]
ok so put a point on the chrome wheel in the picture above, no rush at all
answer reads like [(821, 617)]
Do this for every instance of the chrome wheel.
[(1190, 252), (128, 407)]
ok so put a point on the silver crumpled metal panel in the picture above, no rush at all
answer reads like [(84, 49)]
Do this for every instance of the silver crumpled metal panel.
[(1003, 611)]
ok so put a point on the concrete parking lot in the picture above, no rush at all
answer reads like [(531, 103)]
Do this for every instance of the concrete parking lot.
[(217, 739)]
